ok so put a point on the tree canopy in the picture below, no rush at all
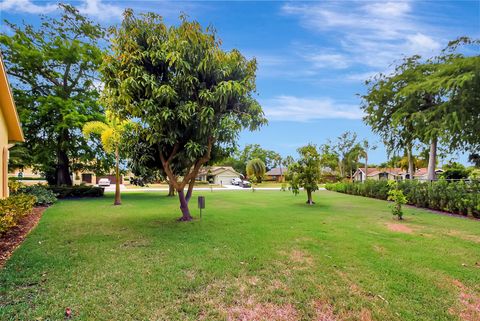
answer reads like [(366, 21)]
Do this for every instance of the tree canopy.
[(54, 69), (190, 97), (305, 172), (428, 100)]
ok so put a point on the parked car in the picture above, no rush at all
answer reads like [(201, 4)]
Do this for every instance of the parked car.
[(245, 184), (236, 181), (104, 182)]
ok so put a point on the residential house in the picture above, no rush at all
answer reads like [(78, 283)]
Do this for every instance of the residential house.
[(390, 174), (90, 178), (25, 172), (10, 128), (376, 173), (422, 173), (276, 174), (220, 175)]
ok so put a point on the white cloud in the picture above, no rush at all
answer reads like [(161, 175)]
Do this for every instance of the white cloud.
[(26, 6), (362, 76), (388, 9), (100, 10), (324, 60), (373, 34), (94, 8), (291, 108)]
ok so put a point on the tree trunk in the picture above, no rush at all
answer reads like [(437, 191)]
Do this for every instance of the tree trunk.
[(62, 172), (432, 160), (171, 189), (340, 167), (309, 197), (281, 173), (366, 166), (184, 206), (118, 200), (410, 161)]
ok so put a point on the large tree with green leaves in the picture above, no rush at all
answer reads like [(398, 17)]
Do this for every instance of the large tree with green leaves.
[(433, 101), (238, 159), (347, 149), (305, 172), (190, 96), (54, 68), (251, 151)]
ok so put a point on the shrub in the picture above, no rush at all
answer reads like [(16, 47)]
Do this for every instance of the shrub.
[(14, 186), (13, 208), (455, 197), (398, 198), (76, 191), (44, 195)]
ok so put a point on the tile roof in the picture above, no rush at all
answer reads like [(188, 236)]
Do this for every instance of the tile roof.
[(372, 171), (276, 171), (215, 170)]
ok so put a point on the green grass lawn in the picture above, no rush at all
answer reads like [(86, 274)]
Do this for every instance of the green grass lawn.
[(254, 256)]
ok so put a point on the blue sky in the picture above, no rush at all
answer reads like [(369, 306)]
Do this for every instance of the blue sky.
[(313, 56)]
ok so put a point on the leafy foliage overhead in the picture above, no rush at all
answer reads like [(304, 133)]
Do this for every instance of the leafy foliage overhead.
[(188, 95), (425, 100), (54, 69)]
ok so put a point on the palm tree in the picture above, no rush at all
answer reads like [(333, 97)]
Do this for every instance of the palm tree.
[(256, 168), (111, 137), (365, 148)]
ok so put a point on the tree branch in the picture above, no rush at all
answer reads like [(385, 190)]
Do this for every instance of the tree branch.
[(205, 158)]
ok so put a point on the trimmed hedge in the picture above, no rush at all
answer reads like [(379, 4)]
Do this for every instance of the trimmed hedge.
[(15, 178), (76, 191), (455, 197)]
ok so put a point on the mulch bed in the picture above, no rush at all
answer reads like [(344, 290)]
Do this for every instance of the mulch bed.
[(15, 236)]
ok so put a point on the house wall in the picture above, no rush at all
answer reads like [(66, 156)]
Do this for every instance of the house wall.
[(358, 177), (27, 172), (77, 179), (224, 178), (3, 157)]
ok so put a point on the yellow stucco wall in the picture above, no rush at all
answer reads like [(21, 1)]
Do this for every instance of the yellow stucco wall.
[(3, 145)]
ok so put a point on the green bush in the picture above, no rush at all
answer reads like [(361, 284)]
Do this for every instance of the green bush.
[(44, 195), (395, 195), (14, 186), (76, 191), (13, 208), (457, 197)]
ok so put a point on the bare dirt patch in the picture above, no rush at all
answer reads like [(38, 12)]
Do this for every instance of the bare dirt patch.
[(300, 257), (252, 310), (15, 236), (469, 309), (379, 249), (396, 227), (463, 236), (324, 312), (246, 305)]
